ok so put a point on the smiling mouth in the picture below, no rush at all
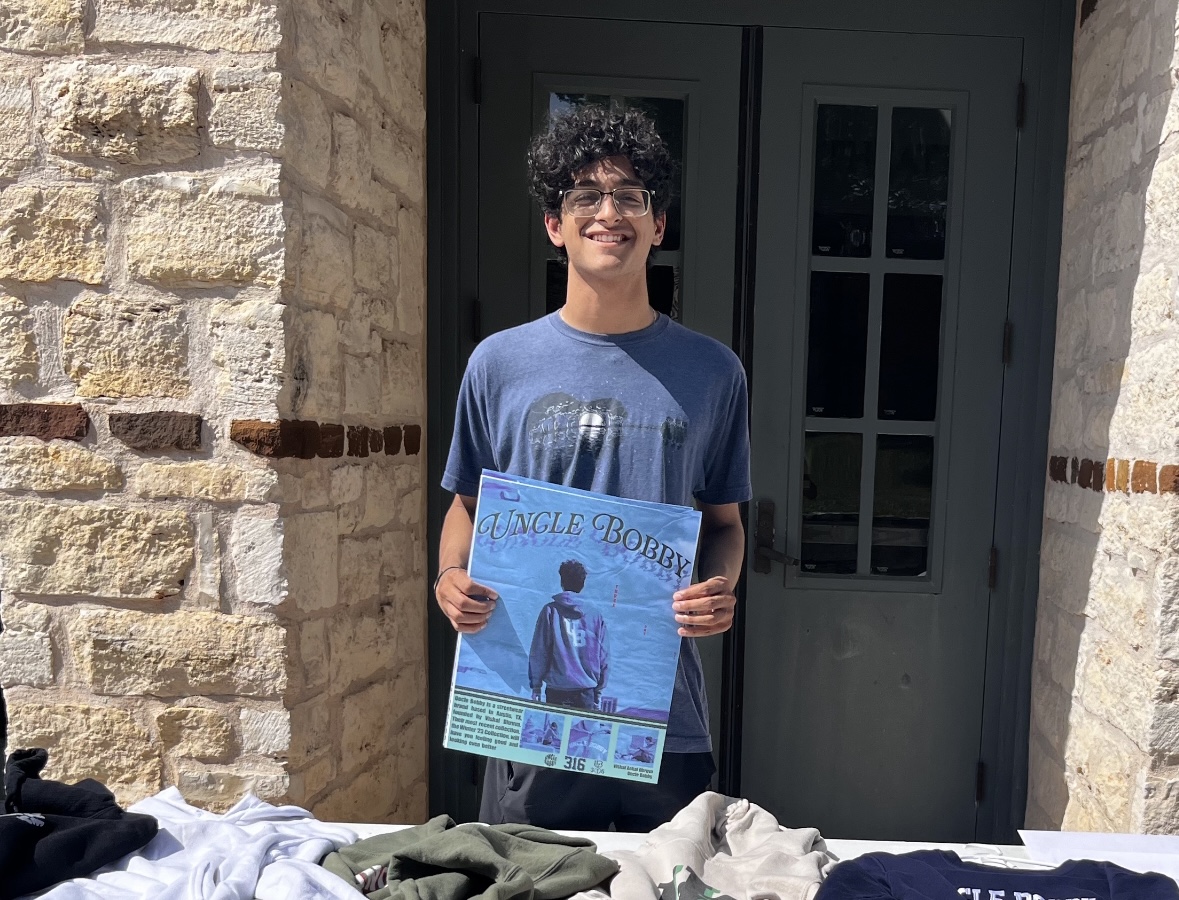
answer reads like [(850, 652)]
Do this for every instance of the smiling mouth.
[(608, 238)]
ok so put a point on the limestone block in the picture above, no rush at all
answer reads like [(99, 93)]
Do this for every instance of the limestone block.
[(315, 371), (374, 259), (99, 742), (1149, 406), (371, 795), (245, 110), (411, 805), (360, 569), (255, 553), (248, 357), (404, 51), (375, 312), (26, 654), (130, 114), (55, 467), (410, 751), (360, 646), (219, 787), (411, 294), (399, 161), (1066, 560), (1120, 600), (401, 556), (409, 489), (197, 733), (1154, 307), (16, 120), (115, 346), (45, 26), (214, 482), (313, 652), (1058, 637), (265, 731), (1116, 683), (1166, 598), (221, 227), (311, 780), (308, 128), (1048, 789), (18, 348), (352, 164), (1103, 767), (403, 388), (325, 259), (52, 231), (1096, 84), (407, 617), (326, 51), (311, 729), (381, 496), (1160, 806), (178, 654), (244, 26), (312, 555), (347, 484), (366, 725), (1164, 731), (315, 488), (1131, 524), (362, 385), (100, 551)]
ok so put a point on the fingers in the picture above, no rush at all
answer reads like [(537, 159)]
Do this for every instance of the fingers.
[(704, 609), (466, 603)]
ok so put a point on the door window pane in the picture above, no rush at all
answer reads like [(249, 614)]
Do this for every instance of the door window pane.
[(918, 183), (837, 342), (902, 499), (668, 115), (845, 180), (831, 502), (910, 338)]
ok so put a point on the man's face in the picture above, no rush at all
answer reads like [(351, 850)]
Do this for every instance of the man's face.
[(607, 244)]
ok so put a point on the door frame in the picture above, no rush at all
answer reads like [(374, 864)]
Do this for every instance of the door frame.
[(452, 318)]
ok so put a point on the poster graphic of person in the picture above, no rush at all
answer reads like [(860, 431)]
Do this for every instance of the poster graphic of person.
[(570, 655), (541, 731), (636, 745), (589, 739)]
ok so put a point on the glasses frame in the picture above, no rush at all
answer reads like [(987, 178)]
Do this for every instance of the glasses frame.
[(649, 195)]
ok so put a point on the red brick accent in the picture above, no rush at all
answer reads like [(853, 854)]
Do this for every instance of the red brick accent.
[(1111, 474), (1169, 480), (1085, 475), (392, 440), (157, 430), (283, 439), (299, 439), (413, 439), (1144, 479), (331, 441), (1124, 476), (1058, 468), (357, 440), (47, 421)]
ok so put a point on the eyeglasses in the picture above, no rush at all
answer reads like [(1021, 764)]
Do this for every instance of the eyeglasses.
[(632, 203)]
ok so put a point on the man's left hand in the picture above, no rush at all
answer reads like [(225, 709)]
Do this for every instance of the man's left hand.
[(705, 608)]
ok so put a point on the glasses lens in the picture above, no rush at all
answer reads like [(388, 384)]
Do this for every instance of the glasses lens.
[(632, 201), (583, 201)]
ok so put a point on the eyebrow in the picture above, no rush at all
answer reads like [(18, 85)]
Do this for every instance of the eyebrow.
[(625, 182)]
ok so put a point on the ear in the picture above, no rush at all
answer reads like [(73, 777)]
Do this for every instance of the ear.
[(552, 225), (660, 228)]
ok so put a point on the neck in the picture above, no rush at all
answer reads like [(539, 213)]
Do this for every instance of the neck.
[(616, 306)]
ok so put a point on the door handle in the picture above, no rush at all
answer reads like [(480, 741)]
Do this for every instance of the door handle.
[(765, 554)]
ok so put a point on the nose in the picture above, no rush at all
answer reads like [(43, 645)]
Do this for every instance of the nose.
[(613, 215)]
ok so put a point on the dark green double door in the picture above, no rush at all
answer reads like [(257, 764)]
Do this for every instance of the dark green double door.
[(883, 193)]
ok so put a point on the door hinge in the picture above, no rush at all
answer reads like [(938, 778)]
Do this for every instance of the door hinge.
[(1021, 106), (477, 80), (1008, 337), (476, 320), (980, 783), (993, 569)]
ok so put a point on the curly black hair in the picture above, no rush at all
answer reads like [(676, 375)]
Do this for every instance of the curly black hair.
[(572, 574), (589, 132)]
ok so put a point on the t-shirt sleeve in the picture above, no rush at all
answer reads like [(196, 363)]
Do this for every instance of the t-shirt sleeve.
[(470, 446), (726, 467)]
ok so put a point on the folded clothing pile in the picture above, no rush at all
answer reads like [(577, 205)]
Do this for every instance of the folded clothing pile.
[(51, 831), (442, 861)]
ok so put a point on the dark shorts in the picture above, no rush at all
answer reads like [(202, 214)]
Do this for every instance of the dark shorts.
[(574, 699), (514, 792)]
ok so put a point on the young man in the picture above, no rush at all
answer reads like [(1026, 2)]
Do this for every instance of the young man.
[(570, 654), (610, 396)]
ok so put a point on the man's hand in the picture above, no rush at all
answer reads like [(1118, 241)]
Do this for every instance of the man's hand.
[(705, 608), (456, 595), (536, 696)]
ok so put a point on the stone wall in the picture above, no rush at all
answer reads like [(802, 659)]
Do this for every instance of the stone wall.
[(211, 397), (1104, 749)]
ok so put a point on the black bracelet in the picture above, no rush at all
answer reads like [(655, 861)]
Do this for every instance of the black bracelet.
[(443, 572)]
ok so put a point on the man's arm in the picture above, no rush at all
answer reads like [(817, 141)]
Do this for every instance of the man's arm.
[(456, 591), (707, 607)]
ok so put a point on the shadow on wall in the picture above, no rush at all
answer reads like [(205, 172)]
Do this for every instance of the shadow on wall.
[(1110, 520)]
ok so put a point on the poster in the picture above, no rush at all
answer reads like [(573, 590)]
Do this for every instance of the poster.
[(576, 666)]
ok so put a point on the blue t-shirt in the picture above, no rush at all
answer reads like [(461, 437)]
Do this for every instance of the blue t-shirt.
[(941, 875), (658, 414)]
